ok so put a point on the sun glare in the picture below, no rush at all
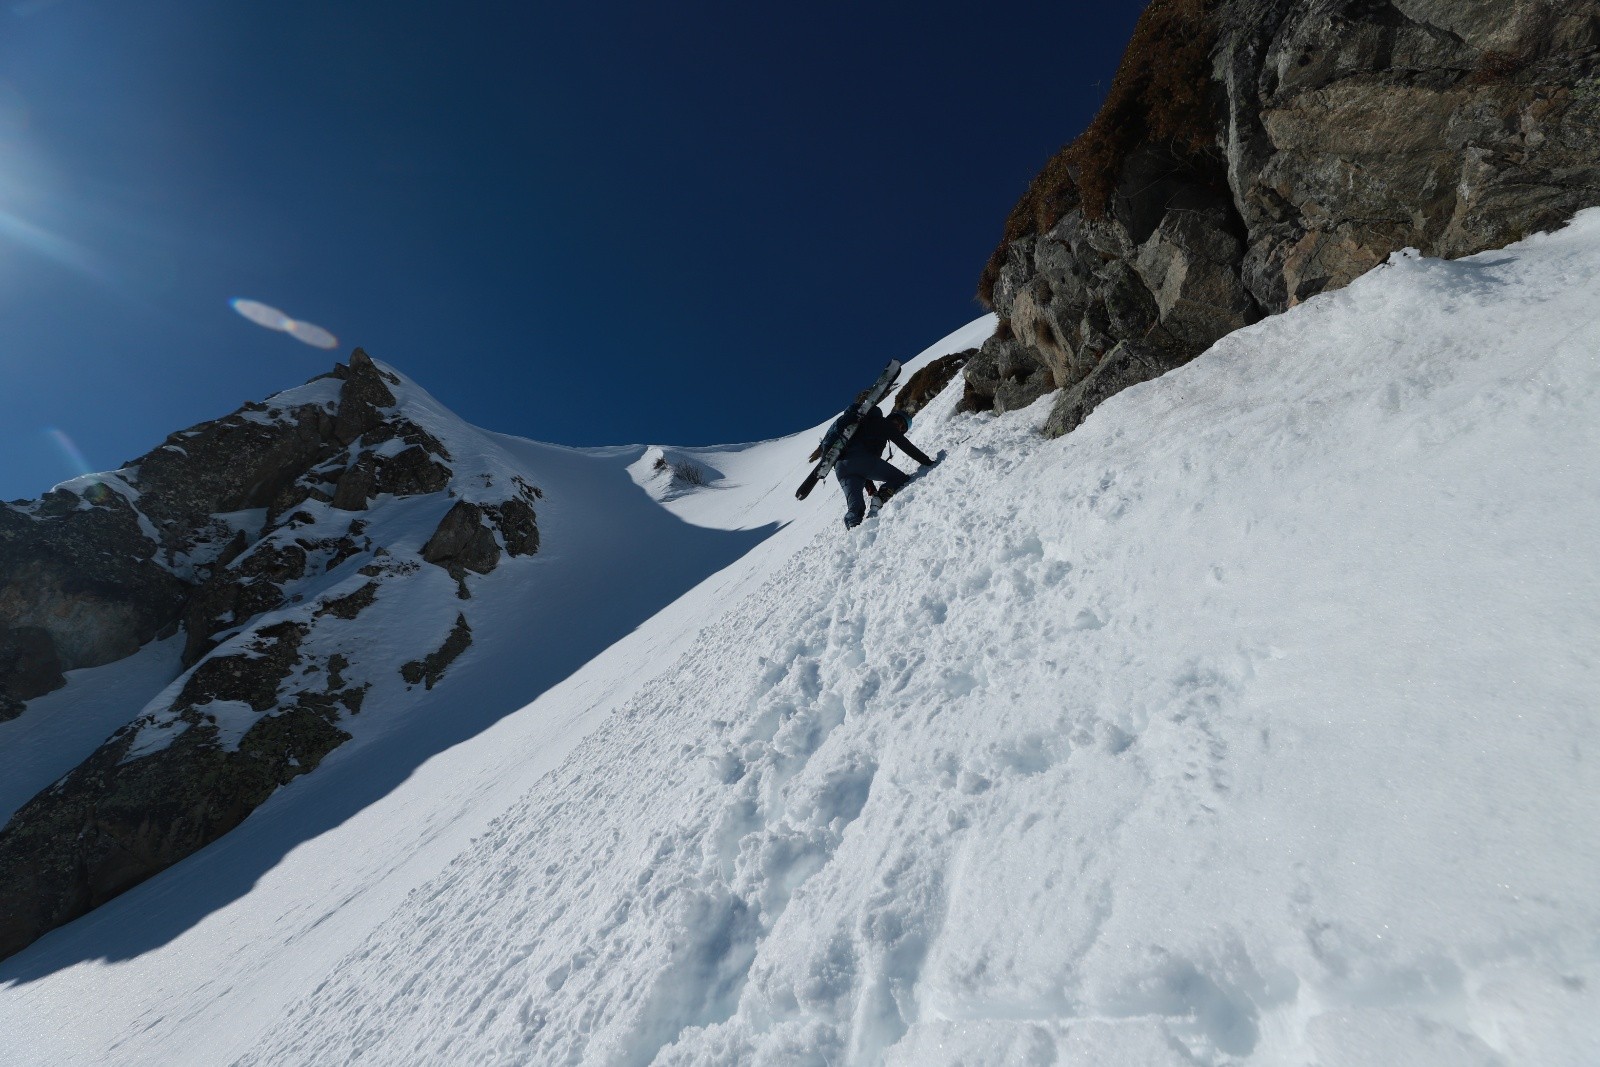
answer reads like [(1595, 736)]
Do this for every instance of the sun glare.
[(22, 202)]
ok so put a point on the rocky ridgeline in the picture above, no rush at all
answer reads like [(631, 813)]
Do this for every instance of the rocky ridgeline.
[(1254, 153), (252, 535)]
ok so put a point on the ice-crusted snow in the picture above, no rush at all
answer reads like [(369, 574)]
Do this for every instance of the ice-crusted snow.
[(1253, 722)]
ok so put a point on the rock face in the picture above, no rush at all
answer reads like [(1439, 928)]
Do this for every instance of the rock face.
[(471, 537), (1005, 374), (1356, 129), (1254, 153), (30, 666), (124, 815), (251, 533), (80, 585)]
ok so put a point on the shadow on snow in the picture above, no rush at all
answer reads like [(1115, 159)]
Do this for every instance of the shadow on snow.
[(606, 568)]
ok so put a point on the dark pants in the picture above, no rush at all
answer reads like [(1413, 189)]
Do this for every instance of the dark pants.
[(855, 472)]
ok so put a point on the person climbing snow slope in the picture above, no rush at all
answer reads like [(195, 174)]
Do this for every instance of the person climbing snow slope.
[(862, 463)]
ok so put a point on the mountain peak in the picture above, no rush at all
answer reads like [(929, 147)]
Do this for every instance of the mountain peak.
[(262, 535)]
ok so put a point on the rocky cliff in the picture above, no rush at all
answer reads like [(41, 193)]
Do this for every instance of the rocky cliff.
[(1254, 153), (259, 537)]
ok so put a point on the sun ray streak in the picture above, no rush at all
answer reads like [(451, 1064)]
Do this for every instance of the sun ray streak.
[(41, 241)]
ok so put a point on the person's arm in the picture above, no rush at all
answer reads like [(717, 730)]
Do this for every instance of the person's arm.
[(908, 448)]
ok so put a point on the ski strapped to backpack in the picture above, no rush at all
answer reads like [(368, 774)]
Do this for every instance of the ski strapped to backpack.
[(831, 449)]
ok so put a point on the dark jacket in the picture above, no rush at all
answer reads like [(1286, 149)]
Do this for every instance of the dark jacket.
[(874, 431)]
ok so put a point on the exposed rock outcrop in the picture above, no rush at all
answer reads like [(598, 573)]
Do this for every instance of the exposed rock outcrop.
[(126, 814), (29, 667), (471, 536), (253, 533), (1254, 153), (1128, 363), (1004, 375), (237, 593), (463, 542), (930, 381), (261, 455), (80, 585), (429, 669), (1356, 129)]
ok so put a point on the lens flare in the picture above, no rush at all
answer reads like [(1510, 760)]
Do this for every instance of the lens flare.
[(261, 314), (70, 450), (31, 197), (273, 319), (312, 334), (85, 481)]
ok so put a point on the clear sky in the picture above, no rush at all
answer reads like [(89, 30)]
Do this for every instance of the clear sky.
[(589, 223)]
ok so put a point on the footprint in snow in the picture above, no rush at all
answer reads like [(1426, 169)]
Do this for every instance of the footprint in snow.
[(1087, 620)]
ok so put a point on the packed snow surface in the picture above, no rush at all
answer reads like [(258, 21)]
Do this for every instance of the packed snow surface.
[(1254, 722), (223, 942)]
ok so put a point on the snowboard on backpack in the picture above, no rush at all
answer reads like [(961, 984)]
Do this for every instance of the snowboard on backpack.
[(830, 451)]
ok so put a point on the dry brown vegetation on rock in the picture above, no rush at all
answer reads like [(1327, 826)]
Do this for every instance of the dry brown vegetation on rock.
[(1253, 154), (1161, 93), (930, 381)]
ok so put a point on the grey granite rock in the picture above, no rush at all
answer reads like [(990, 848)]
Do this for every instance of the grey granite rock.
[(1005, 375)]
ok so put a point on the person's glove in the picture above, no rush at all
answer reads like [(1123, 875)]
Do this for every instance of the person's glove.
[(936, 460)]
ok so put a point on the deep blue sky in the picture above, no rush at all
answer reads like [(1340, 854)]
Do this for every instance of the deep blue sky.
[(597, 223)]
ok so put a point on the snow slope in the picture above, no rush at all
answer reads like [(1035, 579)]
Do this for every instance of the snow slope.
[(1253, 722), (191, 965)]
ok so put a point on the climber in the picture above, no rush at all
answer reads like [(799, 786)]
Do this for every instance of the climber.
[(862, 463)]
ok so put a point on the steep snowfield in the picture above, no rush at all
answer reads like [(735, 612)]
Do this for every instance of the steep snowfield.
[(1254, 722), (190, 966)]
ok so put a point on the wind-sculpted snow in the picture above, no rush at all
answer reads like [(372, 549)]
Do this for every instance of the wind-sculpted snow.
[(1252, 722)]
